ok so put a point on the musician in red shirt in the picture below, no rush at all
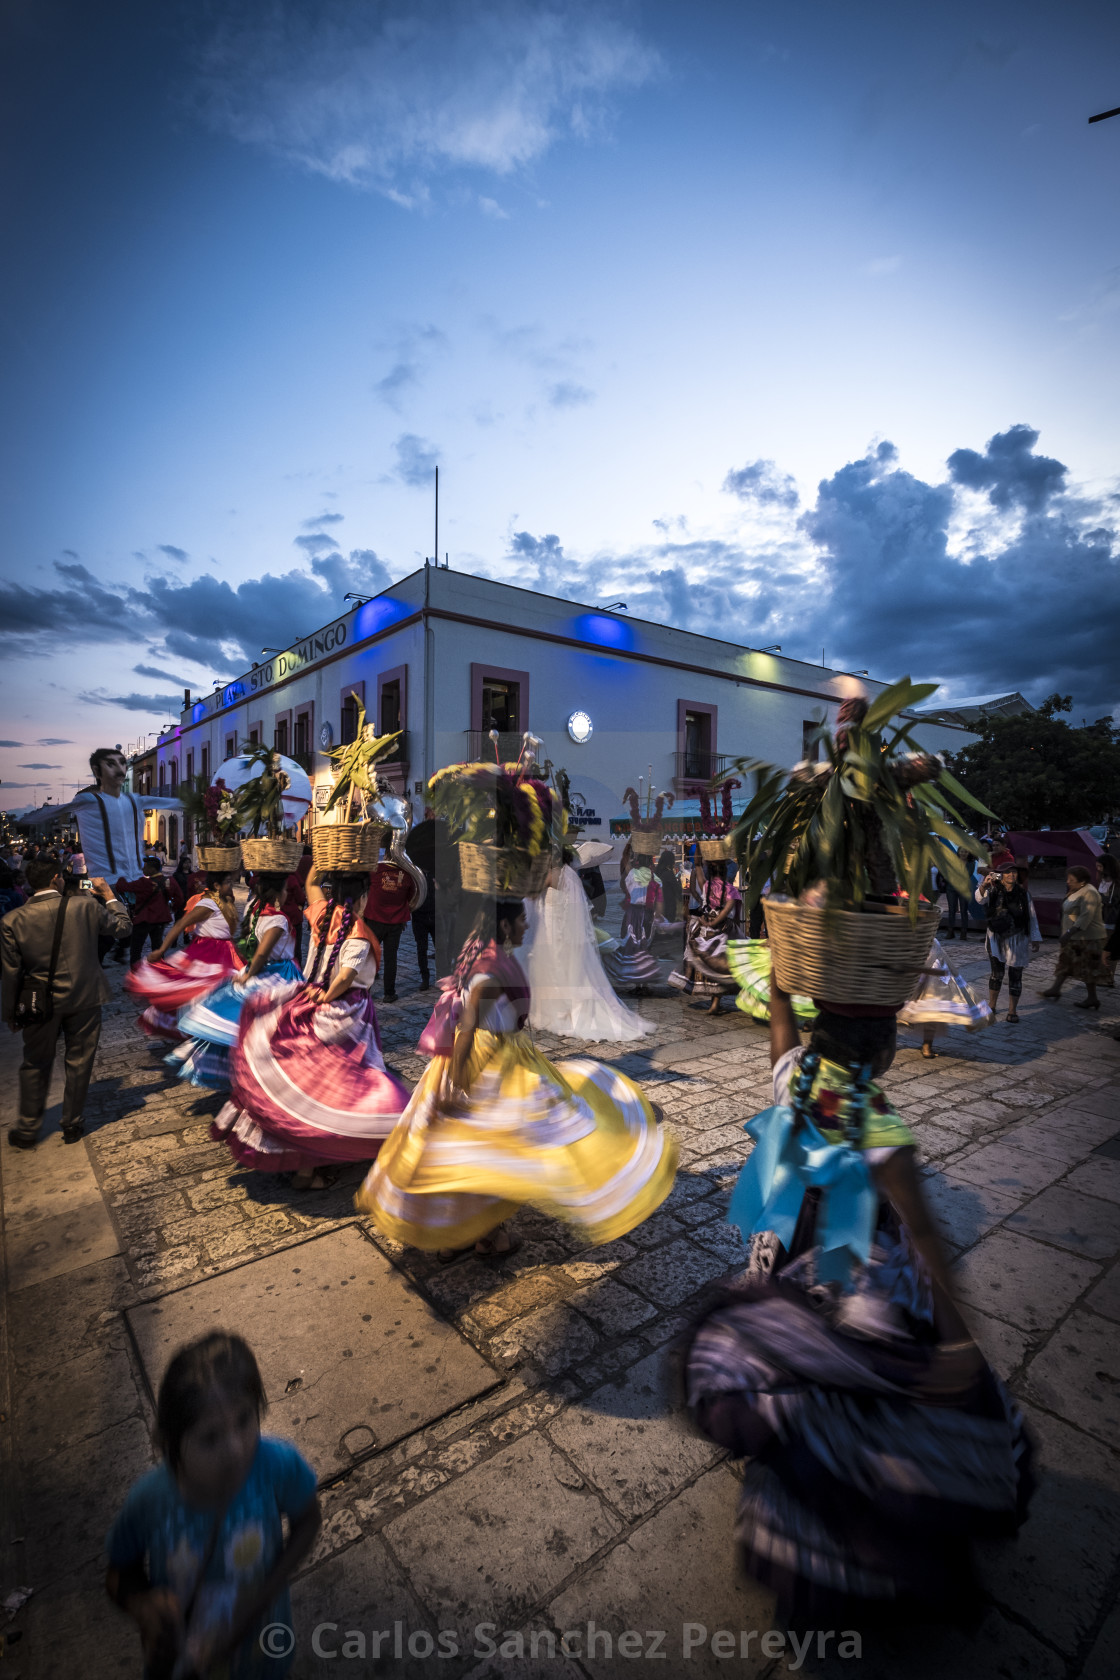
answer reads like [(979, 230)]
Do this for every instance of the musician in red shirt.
[(153, 902), (387, 913)]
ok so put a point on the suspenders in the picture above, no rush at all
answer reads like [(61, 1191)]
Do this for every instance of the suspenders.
[(105, 827)]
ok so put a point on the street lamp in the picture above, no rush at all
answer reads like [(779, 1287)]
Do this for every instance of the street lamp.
[(615, 606), (775, 647), (364, 600)]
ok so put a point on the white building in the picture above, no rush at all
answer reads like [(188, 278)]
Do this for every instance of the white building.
[(444, 657)]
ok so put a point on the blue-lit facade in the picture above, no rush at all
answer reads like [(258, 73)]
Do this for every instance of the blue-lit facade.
[(444, 657)]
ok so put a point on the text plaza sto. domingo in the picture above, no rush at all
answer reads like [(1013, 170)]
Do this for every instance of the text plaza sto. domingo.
[(691, 1641)]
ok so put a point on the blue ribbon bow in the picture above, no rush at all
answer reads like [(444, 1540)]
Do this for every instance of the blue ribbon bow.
[(787, 1161)]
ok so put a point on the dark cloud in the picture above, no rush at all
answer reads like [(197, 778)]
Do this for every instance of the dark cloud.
[(1006, 613), (567, 394), (54, 741), (151, 703), (160, 676), (207, 619), (14, 743), (414, 348), (416, 459), (1009, 471), (39, 767), (323, 519), (172, 552), (316, 541), (761, 482)]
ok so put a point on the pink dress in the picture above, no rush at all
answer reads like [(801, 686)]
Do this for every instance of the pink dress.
[(182, 976), (309, 1082)]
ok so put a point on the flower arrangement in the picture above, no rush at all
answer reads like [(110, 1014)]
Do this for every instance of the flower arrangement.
[(496, 804), (212, 810), (260, 799), (866, 823), (709, 822), (354, 764)]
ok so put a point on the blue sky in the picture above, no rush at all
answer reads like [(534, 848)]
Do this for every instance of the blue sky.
[(792, 323)]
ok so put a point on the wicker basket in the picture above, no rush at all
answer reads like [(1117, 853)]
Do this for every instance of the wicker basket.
[(346, 846), (502, 874), (219, 860), (645, 842), (712, 850), (848, 956), (272, 856)]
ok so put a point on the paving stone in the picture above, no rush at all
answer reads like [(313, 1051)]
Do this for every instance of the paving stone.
[(76, 1307), (1084, 1224), (1013, 1278), (965, 1211), (554, 1337), (631, 1439), (74, 1401), (659, 1228), (388, 1366), (669, 1275), (590, 1263), (1097, 1177), (1103, 1102), (71, 1626), (517, 1526), (1008, 1168), (999, 1649), (347, 1611), (1056, 1575), (1063, 1134), (612, 1308), (72, 1497), (676, 1570), (1077, 1374), (517, 1298), (1103, 1661), (1002, 1345), (1105, 1297)]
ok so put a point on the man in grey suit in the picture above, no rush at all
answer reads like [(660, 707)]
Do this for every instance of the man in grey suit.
[(80, 988)]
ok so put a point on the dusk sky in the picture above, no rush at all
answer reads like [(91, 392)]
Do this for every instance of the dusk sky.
[(792, 323)]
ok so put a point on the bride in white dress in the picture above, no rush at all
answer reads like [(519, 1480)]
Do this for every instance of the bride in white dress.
[(571, 994)]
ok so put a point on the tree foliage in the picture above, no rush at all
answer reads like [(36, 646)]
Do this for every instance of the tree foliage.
[(1035, 770)]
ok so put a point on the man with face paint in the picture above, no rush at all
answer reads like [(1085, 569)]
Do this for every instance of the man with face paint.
[(111, 819)]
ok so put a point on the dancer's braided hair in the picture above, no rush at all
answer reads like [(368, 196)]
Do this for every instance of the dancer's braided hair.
[(339, 890)]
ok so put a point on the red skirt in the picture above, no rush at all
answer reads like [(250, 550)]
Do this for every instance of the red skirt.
[(179, 979), (309, 1083)]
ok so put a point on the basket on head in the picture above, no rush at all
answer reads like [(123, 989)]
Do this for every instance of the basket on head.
[(645, 842), (711, 850), (219, 860), (497, 873), (272, 856), (848, 956), (338, 847)]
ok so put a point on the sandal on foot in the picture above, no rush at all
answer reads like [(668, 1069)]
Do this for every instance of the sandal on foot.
[(322, 1178), (486, 1246), (1012, 1016), (448, 1256), (929, 1054), (1088, 1003)]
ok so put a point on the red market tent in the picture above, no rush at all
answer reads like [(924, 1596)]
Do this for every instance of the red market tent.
[(1075, 845)]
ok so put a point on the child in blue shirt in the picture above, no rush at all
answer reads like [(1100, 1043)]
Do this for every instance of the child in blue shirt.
[(197, 1555)]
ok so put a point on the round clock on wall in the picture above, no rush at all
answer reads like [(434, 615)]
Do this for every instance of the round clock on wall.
[(326, 737), (580, 727)]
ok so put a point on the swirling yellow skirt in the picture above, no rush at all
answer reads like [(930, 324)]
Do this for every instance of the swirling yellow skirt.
[(576, 1139)]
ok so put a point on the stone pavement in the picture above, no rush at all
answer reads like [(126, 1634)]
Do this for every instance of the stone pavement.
[(500, 1442)]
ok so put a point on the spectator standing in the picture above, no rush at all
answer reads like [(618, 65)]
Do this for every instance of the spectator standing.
[(386, 912), (153, 902), (27, 939), (10, 895), (420, 844), (1082, 939)]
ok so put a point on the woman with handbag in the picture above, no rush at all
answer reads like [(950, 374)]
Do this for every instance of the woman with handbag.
[(1012, 931)]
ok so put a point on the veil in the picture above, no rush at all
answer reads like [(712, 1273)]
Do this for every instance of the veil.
[(571, 994)]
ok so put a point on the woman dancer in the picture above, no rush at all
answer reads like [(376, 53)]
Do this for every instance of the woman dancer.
[(170, 982), (940, 999), (309, 1082), (878, 1442), (1012, 931), (493, 1125), (210, 1023), (632, 962), (1082, 939), (706, 971), (571, 995)]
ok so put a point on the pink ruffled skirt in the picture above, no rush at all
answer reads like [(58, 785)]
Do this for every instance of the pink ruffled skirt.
[(179, 979)]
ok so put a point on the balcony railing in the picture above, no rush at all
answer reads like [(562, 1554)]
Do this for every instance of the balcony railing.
[(699, 767), (480, 746)]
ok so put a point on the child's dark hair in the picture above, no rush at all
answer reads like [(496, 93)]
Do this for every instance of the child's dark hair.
[(215, 879), (217, 1361), (268, 886), (506, 910)]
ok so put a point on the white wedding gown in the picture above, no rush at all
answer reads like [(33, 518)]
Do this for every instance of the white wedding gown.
[(570, 993)]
